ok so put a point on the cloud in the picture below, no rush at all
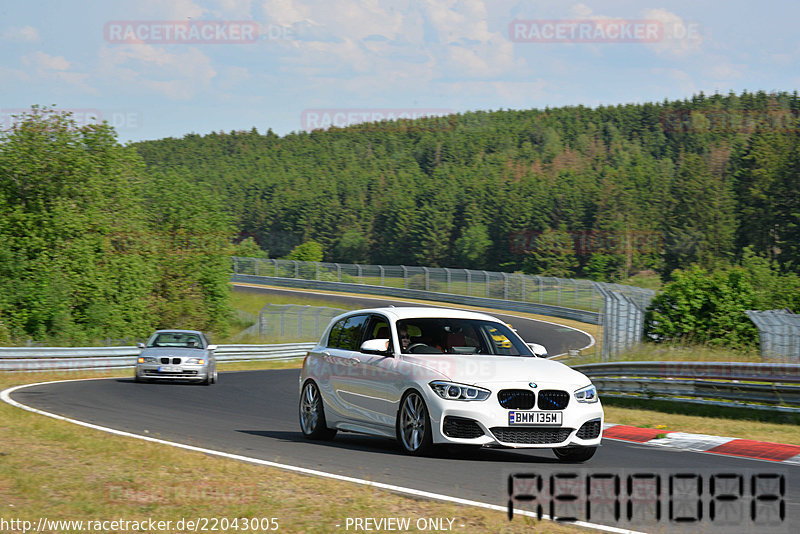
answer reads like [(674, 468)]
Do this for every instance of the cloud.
[(179, 75), (727, 71), (680, 37), (44, 61), (23, 34), (172, 10), (382, 40), (42, 66), (681, 78)]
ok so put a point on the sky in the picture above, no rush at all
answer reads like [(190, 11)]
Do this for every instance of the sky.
[(156, 69)]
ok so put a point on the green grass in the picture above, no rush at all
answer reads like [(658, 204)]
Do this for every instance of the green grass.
[(253, 302), (658, 352)]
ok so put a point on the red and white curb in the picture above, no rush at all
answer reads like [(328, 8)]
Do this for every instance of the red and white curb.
[(745, 448)]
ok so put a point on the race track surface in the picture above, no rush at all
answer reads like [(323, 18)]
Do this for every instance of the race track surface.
[(254, 414)]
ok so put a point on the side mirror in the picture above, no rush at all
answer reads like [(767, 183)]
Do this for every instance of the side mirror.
[(538, 350), (211, 347), (140, 345), (376, 346)]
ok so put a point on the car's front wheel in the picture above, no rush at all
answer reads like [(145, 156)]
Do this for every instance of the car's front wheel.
[(312, 414), (414, 425), (574, 454)]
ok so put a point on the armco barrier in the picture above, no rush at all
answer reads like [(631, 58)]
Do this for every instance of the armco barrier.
[(752, 385), (541, 309), (96, 358)]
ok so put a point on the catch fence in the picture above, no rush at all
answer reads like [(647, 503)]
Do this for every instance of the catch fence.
[(618, 308)]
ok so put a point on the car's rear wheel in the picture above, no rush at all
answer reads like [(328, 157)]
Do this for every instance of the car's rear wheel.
[(312, 414), (574, 454), (414, 425)]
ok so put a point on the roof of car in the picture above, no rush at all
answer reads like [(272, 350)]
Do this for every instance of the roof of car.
[(419, 312), (176, 331)]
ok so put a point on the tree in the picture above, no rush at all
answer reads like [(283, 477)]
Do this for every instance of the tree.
[(92, 247), (308, 251), (74, 238), (702, 307), (472, 246), (352, 247), (248, 248), (553, 254)]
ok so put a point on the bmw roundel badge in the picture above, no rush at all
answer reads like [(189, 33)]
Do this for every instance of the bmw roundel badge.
[(533, 385)]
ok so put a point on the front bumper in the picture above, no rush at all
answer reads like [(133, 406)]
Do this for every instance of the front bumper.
[(183, 372), (486, 423)]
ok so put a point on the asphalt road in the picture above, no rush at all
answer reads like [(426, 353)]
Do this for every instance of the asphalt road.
[(254, 413)]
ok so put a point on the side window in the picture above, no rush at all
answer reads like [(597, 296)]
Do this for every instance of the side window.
[(333, 337), (378, 328), (352, 332)]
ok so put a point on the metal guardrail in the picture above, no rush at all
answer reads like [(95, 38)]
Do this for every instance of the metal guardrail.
[(103, 358), (753, 385)]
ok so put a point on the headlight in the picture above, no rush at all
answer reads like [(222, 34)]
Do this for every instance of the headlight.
[(453, 391), (146, 359), (587, 394), (197, 361)]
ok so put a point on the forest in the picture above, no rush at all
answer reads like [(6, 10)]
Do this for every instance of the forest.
[(103, 240), (596, 193)]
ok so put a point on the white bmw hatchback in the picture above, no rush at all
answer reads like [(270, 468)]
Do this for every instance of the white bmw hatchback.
[(430, 376)]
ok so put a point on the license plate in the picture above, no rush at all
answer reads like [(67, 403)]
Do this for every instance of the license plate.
[(534, 418), (168, 369)]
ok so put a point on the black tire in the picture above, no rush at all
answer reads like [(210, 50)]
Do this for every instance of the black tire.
[(312, 414), (413, 426), (574, 454)]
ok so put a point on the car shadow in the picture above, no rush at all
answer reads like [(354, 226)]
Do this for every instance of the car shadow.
[(376, 444), (159, 382)]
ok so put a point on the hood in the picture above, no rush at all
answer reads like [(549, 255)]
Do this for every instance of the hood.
[(477, 370), (177, 352)]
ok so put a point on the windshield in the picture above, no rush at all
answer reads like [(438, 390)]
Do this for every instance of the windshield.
[(176, 339), (458, 336)]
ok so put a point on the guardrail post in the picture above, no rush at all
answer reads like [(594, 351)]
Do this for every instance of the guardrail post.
[(405, 276), (276, 268), (575, 283), (360, 279), (558, 281), (447, 271), (523, 277), (505, 286), (486, 282), (427, 278), (338, 273), (316, 270), (469, 282), (380, 267)]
